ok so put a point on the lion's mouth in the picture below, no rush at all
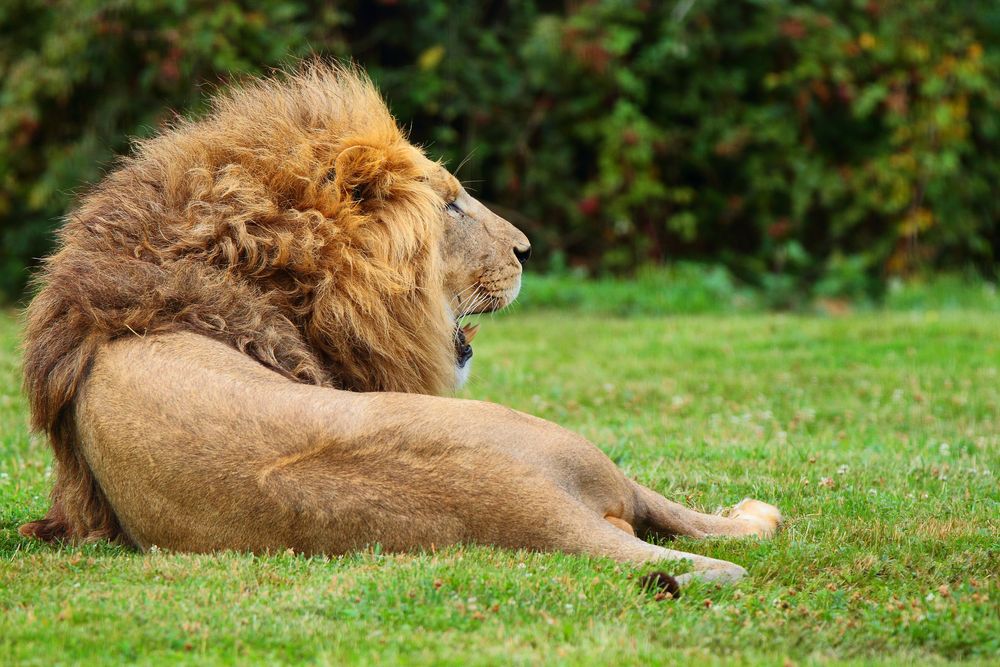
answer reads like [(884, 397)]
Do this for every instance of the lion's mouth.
[(463, 342), (481, 301)]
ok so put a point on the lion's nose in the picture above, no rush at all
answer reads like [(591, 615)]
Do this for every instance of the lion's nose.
[(522, 254)]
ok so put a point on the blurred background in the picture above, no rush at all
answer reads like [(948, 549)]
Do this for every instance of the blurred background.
[(767, 150)]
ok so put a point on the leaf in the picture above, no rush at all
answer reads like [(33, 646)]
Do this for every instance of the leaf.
[(431, 58)]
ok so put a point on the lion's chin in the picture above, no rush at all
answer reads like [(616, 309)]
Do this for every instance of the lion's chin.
[(462, 374)]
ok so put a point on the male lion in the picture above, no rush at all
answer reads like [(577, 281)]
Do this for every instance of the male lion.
[(236, 344)]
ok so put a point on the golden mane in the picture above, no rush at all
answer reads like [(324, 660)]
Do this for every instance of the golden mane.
[(294, 222)]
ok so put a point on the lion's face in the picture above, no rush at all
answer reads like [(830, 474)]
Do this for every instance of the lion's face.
[(483, 255)]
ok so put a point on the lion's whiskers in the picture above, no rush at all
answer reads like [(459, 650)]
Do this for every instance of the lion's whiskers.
[(478, 298), (457, 299)]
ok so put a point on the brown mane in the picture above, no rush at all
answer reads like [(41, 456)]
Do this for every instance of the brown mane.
[(294, 223)]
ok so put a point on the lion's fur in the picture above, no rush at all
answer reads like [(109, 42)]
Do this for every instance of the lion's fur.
[(294, 222)]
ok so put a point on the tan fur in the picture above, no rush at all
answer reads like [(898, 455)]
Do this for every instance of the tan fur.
[(200, 343)]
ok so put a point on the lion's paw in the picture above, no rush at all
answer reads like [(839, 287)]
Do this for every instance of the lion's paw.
[(763, 519)]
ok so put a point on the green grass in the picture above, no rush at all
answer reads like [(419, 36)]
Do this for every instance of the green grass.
[(878, 435)]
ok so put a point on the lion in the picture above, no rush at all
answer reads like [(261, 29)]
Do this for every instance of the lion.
[(244, 336)]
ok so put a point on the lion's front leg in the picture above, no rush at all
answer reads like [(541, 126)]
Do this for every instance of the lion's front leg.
[(763, 518), (665, 518)]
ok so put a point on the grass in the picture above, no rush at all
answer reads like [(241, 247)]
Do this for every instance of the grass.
[(686, 288), (877, 433)]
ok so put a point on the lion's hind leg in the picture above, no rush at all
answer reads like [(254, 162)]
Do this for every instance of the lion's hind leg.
[(620, 524)]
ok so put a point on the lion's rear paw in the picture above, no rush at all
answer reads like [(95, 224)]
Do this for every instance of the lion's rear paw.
[(763, 519)]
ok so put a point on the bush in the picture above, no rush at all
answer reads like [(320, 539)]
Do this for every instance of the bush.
[(809, 146)]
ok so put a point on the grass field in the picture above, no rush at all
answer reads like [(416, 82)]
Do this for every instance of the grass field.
[(877, 434)]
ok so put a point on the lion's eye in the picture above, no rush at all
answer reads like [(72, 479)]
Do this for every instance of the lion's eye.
[(453, 207)]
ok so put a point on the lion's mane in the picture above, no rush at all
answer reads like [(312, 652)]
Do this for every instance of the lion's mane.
[(294, 222)]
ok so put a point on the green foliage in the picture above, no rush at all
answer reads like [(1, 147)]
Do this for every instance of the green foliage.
[(820, 145)]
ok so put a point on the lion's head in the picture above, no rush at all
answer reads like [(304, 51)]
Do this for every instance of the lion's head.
[(482, 255), (401, 251)]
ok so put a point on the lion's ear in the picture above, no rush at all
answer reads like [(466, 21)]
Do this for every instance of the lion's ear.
[(360, 172)]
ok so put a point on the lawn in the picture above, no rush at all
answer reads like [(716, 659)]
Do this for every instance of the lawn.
[(877, 434)]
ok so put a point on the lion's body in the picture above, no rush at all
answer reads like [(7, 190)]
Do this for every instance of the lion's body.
[(197, 343)]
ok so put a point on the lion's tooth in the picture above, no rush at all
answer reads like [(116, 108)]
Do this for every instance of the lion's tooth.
[(470, 331)]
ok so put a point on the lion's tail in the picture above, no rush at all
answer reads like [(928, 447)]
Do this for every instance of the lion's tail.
[(90, 298)]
